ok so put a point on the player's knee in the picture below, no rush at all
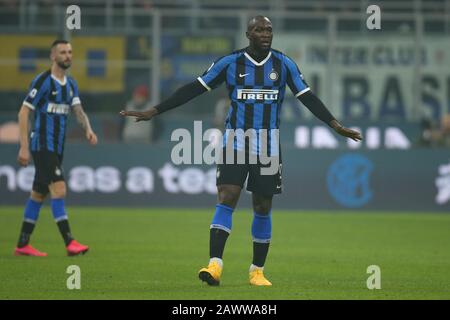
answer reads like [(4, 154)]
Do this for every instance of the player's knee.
[(262, 208), (39, 197), (58, 190), (261, 204), (229, 195), (228, 198), (59, 193)]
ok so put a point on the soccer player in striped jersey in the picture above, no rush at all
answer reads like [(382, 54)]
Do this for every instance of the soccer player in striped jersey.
[(51, 97), (256, 78)]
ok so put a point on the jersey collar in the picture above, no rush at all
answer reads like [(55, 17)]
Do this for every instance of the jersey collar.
[(258, 63), (63, 83)]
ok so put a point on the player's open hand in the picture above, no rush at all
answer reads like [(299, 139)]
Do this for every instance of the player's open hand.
[(139, 115), (23, 158), (349, 133), (91, 137)]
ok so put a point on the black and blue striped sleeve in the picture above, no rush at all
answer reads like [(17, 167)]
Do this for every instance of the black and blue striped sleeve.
[(75, 94), (38, 89), (216, 73), (295, 79)]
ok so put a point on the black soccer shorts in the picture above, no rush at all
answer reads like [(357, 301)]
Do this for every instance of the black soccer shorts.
[(49, 169), (258, 182)]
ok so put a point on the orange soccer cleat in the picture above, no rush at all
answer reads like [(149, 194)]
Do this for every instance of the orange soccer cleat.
[(28, 250), (74, 248), (211, 274), (257, 278)]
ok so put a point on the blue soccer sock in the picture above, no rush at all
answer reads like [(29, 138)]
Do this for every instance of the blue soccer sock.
[(262, 234), (58, 210), (223, 218), (220, 230), (61, 219), (31, 215)]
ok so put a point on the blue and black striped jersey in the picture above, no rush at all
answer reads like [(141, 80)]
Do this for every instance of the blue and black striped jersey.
[(51, 101), (256, 89)]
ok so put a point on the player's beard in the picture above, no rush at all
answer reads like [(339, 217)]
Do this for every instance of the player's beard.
[(266, 46), (64, 65)]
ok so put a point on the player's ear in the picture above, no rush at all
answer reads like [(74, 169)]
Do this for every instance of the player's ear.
[(248, 35)]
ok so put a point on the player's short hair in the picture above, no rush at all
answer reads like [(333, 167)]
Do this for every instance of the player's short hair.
[(251, 23), (59, 41)]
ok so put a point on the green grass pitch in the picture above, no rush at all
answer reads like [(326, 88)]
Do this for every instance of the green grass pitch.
[(156, 254)]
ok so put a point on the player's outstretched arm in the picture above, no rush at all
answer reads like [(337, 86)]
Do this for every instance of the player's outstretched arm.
[(316, 106), (180, 97), (83, 120), (346, 132), (140, 115), (313, 103)]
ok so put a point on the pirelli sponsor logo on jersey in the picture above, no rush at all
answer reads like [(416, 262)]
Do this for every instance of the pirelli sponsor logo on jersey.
[(257, 94), (58, 108)]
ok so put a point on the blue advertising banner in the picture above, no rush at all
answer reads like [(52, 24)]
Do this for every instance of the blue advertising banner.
[(338, 179)]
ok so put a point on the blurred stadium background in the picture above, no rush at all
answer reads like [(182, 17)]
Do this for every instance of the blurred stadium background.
[(393, 84)]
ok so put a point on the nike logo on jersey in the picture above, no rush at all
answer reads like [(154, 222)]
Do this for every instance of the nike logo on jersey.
[(243, 75)]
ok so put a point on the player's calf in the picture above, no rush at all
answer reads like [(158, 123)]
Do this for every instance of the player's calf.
[(261, 233)]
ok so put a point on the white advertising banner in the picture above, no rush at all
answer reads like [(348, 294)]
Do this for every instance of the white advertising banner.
[(374, 77)]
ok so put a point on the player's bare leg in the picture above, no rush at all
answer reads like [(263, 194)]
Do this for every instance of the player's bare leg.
[(228, 196), (31, 215), (261, 233), (58, 193)]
